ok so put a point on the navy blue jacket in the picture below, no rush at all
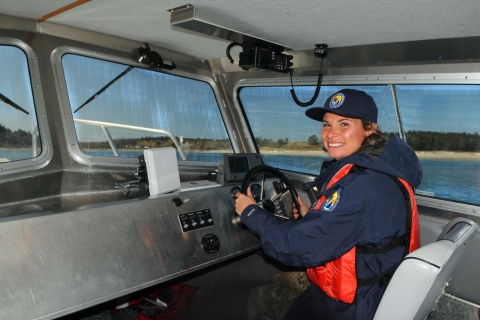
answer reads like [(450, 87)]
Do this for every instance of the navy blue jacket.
[(370, 212)]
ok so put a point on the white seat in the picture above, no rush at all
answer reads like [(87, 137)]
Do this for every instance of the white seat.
[(421, 278)]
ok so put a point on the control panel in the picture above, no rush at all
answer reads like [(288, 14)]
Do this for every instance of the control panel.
[(196, 220)]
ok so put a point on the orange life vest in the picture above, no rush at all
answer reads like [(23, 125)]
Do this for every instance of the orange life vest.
[(338, 278)]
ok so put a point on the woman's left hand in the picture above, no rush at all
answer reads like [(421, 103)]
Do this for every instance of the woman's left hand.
[(243, 201)]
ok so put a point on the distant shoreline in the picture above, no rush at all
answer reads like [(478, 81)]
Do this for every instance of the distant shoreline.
[(434, 155), (437, 155)]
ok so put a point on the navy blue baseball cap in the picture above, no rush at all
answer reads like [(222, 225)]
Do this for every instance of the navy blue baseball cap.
[(350, 103)]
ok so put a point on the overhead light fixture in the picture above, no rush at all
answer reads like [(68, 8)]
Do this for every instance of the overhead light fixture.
[(184, 19)]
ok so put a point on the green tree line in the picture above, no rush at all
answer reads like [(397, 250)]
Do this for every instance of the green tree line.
[(443, 141), (159, 142), (418, 140), (14, 139)]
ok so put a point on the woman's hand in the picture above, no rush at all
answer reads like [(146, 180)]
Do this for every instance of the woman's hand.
[(303, 208), (244, 201)]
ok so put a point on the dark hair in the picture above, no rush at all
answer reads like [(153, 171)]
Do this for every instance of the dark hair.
[(376, 136)]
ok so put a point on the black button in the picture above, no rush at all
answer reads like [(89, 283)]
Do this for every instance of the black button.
[(177, 201)]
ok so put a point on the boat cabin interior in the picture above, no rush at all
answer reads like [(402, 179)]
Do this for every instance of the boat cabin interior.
[(127, 127)]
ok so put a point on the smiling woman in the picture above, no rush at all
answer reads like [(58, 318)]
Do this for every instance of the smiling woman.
[(342, 136), (363, 224)]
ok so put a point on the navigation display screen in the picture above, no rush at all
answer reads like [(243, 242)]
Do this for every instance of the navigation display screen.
[(238, 164)]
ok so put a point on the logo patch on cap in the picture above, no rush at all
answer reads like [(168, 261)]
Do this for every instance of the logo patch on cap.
[(337, 100), (331, 203)]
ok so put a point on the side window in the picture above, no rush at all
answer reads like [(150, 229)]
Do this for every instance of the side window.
[(285, 137), (441, 123), (120, 110), (19, 132)]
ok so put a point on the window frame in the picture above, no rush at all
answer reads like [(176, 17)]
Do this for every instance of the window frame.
[(67, 118), (384, 77), (36, 85)]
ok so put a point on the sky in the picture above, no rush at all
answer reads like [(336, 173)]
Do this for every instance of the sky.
[(15, 85), (443, 108), (188, 108)]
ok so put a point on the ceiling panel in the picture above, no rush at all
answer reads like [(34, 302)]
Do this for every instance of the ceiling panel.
[(298, 25)]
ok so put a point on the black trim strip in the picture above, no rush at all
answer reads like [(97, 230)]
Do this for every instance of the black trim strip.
[(427, 262)]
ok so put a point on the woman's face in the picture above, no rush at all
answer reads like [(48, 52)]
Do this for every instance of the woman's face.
[(342, 136)]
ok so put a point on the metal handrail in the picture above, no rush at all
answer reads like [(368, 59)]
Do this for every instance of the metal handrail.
[(34, 141), (106, 125)]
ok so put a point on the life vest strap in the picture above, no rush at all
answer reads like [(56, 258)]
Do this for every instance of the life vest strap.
[(381, 279), (401, 241)]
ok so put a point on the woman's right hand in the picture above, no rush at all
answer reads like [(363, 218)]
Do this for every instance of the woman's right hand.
[(303, 208)]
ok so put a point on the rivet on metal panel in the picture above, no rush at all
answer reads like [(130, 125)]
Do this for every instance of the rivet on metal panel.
[(119, 160), (440, 205), (466, 77), (341, 79), (35, 162), (367, 78), (0, 169), (378, 78), (434, 77), (33, 57), (73, 145), (66, 115), (474, 211), (43, 115), (404, 78)]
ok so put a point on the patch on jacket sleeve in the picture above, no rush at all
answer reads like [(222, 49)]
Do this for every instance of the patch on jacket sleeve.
[(332, 202)]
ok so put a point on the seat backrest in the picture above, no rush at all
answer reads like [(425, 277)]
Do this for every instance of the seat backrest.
[(422, 276)]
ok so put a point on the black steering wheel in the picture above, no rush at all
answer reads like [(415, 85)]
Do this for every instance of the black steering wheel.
[(269, 204)]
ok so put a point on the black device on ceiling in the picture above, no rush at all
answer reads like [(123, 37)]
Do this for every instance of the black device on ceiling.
[(262, 56), (154, 59)]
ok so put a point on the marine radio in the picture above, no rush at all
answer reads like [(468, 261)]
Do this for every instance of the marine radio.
[(263, 56), (234, 166)]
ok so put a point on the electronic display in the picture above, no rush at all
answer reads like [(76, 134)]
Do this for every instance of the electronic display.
[(234, 166), (238, 164)]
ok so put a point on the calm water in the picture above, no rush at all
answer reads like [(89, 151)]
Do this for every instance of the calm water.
[(456, 180)]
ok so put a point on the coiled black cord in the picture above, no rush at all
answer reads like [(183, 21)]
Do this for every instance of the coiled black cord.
[(317, 90)]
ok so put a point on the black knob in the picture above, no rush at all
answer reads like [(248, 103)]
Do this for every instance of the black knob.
[(210, 243)]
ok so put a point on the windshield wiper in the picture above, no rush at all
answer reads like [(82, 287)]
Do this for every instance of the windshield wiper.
[(13, 104), (104, 88)]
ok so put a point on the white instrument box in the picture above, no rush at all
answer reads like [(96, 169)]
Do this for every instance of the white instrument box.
[(162, 170)]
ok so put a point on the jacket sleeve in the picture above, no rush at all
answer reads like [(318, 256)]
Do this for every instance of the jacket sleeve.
[(318, 238)]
